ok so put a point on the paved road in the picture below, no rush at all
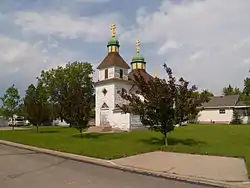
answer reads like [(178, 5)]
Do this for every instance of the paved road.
[(22, 168)]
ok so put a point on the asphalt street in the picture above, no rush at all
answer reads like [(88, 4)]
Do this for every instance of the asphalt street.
[(21, 168)]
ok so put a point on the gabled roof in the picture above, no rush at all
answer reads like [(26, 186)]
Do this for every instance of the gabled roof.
[(113, 59), (241, 103), (136, 72), (222, 101)]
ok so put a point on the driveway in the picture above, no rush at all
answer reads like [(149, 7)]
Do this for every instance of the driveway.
[(21, 168), (10, 128)]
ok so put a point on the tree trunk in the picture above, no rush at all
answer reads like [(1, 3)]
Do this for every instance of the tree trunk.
[(180, 123), (37, 128), (12, 123), (166, 139), (81, 133)]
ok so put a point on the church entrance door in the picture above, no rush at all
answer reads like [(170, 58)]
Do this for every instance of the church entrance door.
[(104, 118)]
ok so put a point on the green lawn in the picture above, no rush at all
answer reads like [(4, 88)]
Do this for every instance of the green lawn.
[(233, 140)]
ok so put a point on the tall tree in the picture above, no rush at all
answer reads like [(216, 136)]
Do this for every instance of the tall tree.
[(71, 91), (246, 89), (1, 111), (10, 103), (36, 104), (236, 119), (231, 91), (246, 93), (206, 93), (159, 102)]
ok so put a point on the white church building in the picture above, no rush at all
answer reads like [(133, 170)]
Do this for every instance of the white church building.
[(114, 75)]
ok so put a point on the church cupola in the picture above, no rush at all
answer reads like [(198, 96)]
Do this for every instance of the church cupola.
[(113, 65), (138, 61), (113, 44)]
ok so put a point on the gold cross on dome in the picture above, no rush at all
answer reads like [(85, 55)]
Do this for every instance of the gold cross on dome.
[(113, 30), (138, 44)]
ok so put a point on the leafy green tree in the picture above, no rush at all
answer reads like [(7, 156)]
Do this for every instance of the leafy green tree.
[(160, 103), (71, 92), (10, 103), (206, 93), (36, 104), (246, 89), (21, 109), (236, 118), (231, 91), (1, 111)]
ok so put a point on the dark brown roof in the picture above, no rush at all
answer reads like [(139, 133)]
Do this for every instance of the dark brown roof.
[(241, 103), (136, 72), (112, 80), (222, 101), (113, 59)]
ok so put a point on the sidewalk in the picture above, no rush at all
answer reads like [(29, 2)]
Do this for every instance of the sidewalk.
[(210, 170)]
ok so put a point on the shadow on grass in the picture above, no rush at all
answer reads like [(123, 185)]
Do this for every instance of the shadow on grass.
[(87, 135), (48, 131), (172, 141)]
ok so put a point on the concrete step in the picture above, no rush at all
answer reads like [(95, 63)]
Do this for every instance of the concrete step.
[(99, 129)]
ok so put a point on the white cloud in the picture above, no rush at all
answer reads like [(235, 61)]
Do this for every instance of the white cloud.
[(170, 44), (215, 33), (21, 61), (11, 49), (198, 55), (246, 61), (67, 26), (92, 1)]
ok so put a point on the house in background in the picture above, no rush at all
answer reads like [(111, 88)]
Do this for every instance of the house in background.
[(219, 110), (3, 122)]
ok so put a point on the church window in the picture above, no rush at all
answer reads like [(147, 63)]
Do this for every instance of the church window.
[(105, 105), (110, 48), (139, 65), (134, 66), (121, 73), (143, 66), (106, 73)]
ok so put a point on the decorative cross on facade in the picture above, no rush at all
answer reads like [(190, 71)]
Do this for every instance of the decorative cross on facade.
[(138, 44), (113, 30)]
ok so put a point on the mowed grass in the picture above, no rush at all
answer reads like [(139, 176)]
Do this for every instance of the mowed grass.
[(224, 140)]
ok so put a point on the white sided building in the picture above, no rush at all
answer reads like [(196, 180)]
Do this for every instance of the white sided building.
[(219, 110), (114, 75)]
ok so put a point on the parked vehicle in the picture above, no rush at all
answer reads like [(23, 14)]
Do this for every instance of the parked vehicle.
[(17, 121)]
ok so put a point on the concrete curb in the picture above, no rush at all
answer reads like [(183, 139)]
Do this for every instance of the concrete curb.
[(111, 164)]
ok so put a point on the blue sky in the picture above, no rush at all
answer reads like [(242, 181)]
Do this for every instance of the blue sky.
[(205, 41)]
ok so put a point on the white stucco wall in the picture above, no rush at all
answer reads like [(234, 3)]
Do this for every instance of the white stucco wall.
[(117, 73), (114, 119), (122, 121), (135, 122), (111, 73), (118, 88), (208, 115), (101, 98)]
